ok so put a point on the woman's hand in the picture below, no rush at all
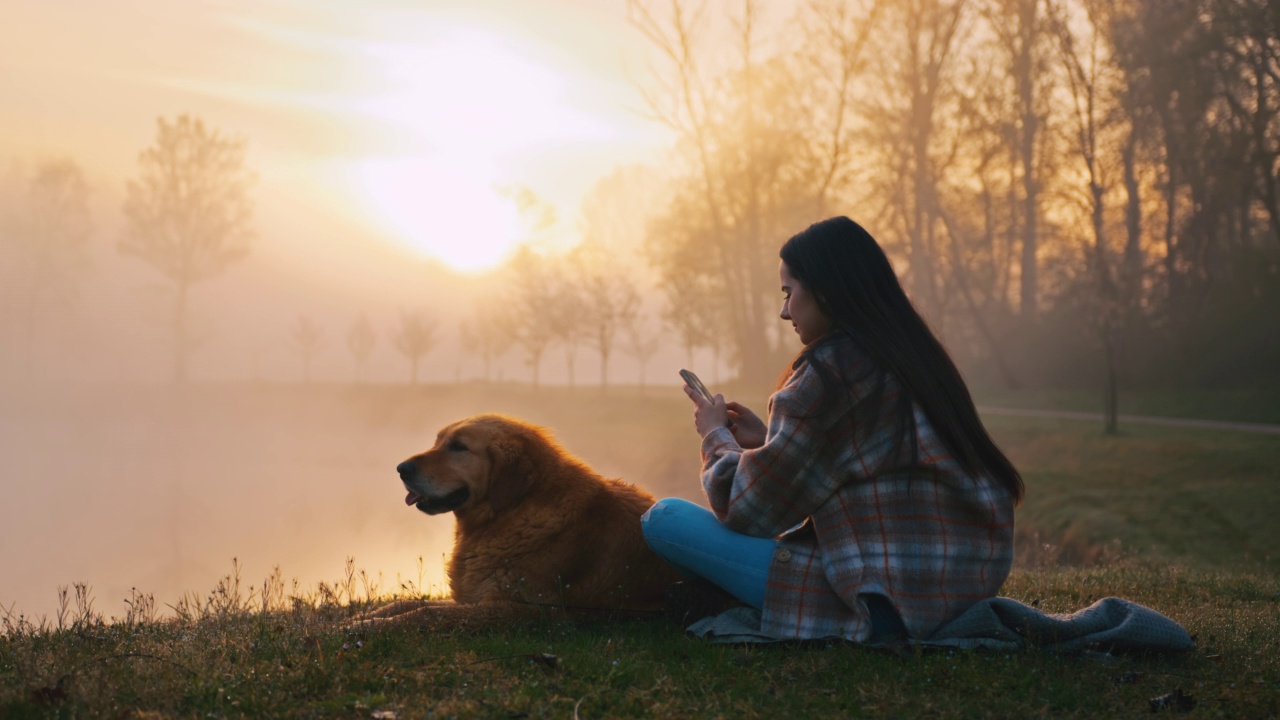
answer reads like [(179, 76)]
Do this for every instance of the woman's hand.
[(707, 416), (747, 427)]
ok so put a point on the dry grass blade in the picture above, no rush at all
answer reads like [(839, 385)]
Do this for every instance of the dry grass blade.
[(578, 704)]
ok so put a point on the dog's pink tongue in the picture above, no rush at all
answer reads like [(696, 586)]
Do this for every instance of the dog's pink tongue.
[(412, 498)]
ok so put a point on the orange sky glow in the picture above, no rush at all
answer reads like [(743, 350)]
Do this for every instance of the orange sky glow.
[(404, 120)]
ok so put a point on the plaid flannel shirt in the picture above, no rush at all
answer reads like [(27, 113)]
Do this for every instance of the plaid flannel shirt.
[(928, 536)]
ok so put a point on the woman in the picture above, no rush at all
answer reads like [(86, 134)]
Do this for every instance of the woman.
[(873, 505)]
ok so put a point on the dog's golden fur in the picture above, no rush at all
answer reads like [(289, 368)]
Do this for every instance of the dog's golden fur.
[(535, 525)]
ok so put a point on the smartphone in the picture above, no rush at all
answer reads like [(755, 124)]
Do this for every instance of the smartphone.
[(692, 381)]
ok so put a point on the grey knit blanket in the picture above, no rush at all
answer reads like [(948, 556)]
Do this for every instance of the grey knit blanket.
[(1006, 624)]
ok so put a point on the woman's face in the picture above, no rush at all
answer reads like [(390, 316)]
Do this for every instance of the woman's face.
[(800, 308)]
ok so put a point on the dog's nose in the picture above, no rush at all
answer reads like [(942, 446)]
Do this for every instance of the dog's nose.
[(406, 469)]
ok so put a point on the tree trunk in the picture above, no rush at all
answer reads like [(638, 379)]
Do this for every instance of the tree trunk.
[(604, 369), (1260, 120), (1173, 280), (922, 279), (1029, 280), (756, 350), (1132, 223), (1109, 298), (961, 273), (1111, 399), (29, 334), (1027, 149), (180, 335)]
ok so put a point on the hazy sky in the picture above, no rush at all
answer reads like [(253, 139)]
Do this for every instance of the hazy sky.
[(383, 134), (398, 117), (380, 131)]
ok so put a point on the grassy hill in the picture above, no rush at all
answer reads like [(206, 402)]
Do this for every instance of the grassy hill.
[(1180, 520), (233, 662)]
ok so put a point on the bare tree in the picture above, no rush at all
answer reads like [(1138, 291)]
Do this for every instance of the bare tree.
[(745, 141), (835, 58), (1250, 71), (487, 333), (1097, 129), (616, 210), (642, 342), (307, 340), (693, 312), (414, 337), (611, 300), (533, 284), (1022, 27), (977, 204), (917, 78), (532, 289), (47, 238), (189, 213), (360, 341), (564, 316), (614, 218)]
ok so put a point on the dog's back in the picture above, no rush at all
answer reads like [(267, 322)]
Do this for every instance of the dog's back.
[(572, 540)]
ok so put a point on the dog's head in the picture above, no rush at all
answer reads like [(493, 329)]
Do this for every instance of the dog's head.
[(483, 460)]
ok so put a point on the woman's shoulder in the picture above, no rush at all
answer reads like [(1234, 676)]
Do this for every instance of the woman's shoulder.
[(832, 364), (843, 355)]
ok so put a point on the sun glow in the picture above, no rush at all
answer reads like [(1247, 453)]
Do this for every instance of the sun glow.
[(476, 107), (438, 209)]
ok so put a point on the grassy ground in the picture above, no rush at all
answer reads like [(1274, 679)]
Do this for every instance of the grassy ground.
[(1256, 405), (1179, 520), (302, 663), (1195, 497)]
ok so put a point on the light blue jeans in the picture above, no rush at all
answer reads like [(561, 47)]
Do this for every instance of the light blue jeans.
[(693, 541)]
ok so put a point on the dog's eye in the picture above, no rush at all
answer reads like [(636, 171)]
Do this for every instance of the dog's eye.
[(456, 446)]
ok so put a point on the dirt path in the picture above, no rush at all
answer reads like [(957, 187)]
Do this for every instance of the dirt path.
[(1135, 419)]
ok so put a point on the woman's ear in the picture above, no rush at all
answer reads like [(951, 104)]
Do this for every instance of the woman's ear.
[(511, 473)]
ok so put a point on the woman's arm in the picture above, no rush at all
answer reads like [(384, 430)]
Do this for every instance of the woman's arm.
[(747, 427), (767, 490)]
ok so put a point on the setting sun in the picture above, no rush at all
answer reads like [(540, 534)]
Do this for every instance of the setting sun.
[(475, 106), (440, 209)]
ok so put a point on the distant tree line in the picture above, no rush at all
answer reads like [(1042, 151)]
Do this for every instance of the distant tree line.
[(189, 216), (1074, 191), (45, 226)]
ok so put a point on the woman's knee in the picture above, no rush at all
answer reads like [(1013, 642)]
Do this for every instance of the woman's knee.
[(668, 513)]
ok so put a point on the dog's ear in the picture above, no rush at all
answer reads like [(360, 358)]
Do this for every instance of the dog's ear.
[(512, 473)]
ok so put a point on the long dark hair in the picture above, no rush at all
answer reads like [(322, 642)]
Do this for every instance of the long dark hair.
[(856, 289)]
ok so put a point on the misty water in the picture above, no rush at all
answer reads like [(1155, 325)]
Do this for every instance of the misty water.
[(158, 487)]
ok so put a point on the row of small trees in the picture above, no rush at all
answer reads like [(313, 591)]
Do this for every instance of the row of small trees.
[(189, 214), (414, 336), (489, 337), (585, 299)]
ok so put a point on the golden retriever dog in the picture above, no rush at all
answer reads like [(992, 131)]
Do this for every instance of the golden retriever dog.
[(535, 525)]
